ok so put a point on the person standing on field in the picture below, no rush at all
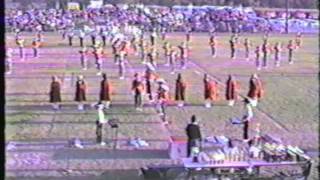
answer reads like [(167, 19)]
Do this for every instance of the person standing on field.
[(232, 90), (55, 93), (180, 91)]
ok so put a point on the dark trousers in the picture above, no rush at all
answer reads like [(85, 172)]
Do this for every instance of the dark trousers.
[(265, 58), (81, 42), (99, 132), (246, 130), (70, 40), (137, 100), (213, 50), (290, 56), (148, 84), (103, 40), (233, 52), (35, 52), (93, 40), (192, 143)]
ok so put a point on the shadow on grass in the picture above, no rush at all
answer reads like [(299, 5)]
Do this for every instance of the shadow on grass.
[(66, 154)]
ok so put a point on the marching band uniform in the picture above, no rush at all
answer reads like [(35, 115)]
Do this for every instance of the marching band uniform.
[(105, 91), (103, 38), (162, 98), (290, 47), (255, 90), (115, 51), (233, 42), (298, 40), (81, 37), (55, 95), (173, 57), (8, 62), (166, 47), (258, 58), (150, 76), (138, 90), (98, 53), (152, 55), (213, 43), (183, 54), (247, 45), (35, 46), (20, 43), (277, 49), (83, 58), (180, 91), (122, 55), (81, 90), (265, 51), (231, 90), (153, 38), (210, 91), (70, 37)]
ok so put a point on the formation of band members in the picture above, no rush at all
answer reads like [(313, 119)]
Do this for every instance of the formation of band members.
[(174, 56), (149, 53)]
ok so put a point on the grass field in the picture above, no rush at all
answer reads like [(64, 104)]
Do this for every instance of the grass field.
[(289, 109)]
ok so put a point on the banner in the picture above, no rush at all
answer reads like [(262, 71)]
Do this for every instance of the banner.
[(73, 6)]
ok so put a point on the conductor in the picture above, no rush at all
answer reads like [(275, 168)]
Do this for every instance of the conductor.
[(194, 135)]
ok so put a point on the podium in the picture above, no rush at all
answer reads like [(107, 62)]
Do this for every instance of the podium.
[(177, 147), (114, 124)]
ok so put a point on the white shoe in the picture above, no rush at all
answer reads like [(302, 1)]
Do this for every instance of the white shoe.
[(99, 74), (167, 64), (102, 143), (291, 62), (121, 77), (9, 72), (172, 72), (84, 69), (208, 105)]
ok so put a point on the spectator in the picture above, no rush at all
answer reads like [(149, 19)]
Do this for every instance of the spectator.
[(194, 135)]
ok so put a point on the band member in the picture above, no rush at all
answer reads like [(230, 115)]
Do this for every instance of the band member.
[(258, 57), (167, 47), (153, 38), (298, 40), (70, 37), (152, 55), (162, 98), (115, 51), (163, 33), (173, 57), (93, 38), (247, 46), (83, 58), (233, 42), (255, 90), (81, 91), (121, 63), (232, 90), (213, 43), (133, 43), (55, 92), (103, 37), (39, 36), (265, 52), (188, 34), (291, 48), (20, 43), (247, 118), (180, 91), (105, 91), (277, 52), (81, 37), (137, 91), (100, 123), (183, 54), (98, 53), (35, 46), (144, 46), (150, 76), (8, 62), (210, 91)]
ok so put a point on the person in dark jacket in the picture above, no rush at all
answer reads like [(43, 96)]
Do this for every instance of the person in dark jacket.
[(55, 95), (105, 91), (194, 134)]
